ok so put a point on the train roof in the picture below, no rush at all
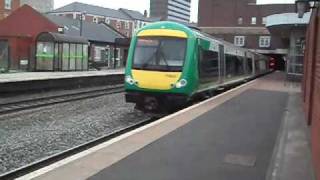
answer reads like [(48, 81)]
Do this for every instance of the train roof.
[(192, 32)]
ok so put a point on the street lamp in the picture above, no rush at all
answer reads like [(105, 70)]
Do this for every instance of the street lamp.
[(303, 6), (82, 16)]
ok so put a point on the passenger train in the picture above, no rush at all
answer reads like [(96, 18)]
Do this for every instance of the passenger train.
[(170, 64)]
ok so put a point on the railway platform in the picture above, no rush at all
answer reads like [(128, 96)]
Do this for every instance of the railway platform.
[(255, 131), (13, 83)]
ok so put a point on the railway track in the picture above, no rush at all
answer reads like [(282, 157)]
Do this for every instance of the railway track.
[(62, 155), (50, 100)]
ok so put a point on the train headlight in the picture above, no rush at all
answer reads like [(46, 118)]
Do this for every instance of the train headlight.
[(130, 80), (182, 83)]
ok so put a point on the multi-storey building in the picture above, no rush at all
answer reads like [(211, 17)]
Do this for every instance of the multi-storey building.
[(174, 10), (123, 20), (244, 24), (139, 20), (7, 6)]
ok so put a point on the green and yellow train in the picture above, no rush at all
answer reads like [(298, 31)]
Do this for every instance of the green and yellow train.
[(170, 64)]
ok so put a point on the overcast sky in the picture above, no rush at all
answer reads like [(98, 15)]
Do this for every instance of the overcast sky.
[(142, 5)]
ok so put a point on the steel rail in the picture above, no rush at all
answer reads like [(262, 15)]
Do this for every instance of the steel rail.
[(51, 100)]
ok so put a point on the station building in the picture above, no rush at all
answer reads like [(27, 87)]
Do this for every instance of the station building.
[(311, 85), (260, 27), (19, 32)]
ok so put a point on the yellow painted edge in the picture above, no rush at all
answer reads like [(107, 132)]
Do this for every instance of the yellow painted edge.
[(155, 80), (163, 32)]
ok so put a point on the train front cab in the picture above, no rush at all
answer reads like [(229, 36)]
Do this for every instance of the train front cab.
[(155, 75)]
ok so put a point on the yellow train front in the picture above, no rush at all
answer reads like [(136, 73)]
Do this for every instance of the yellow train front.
[(170, 64)]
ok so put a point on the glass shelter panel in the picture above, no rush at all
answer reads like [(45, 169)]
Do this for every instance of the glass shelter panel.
[(4, 56), (65, 57), (85, 57), (79, 57), (45, 55), (72, 66), (56, 57)]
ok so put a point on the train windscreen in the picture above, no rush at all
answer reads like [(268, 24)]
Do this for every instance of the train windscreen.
[(160, 53)]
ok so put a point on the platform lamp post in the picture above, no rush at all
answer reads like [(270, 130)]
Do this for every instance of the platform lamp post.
[(82, 17), (303, 6)]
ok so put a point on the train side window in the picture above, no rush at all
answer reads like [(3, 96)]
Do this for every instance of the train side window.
[(249, 67), (209, 65), (234, 66)]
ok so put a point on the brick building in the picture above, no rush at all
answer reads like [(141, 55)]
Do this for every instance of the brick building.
[(21, 34), (311, 85), (8, 6), (18, 39), (124, 21), (244, 24)]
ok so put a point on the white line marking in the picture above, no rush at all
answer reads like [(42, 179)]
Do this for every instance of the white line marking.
[(121, 137)]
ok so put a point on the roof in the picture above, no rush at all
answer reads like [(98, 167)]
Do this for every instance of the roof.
[(91, 9), (57, 37), (17, 24), (91, 31), (136, 15)]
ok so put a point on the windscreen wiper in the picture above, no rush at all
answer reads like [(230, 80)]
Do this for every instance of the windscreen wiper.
[(144, 65)]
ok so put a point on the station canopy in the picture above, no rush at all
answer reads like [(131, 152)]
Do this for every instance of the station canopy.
[(60, 38)]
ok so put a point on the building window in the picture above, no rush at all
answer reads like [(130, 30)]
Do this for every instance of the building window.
[(118, 24), (7, 4), (117, 57), (253, 20), (240, 20), (264, 41), (239, 40), (136, 24), (98, 52), (127, 25), (107, 20), (264, 20), (95, 19)]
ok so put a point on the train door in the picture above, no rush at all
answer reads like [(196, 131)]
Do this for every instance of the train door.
[(254, 65), (222, 62), (250, 64)]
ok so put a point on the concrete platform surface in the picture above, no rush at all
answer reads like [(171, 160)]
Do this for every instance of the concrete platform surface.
[(32, 76), (237, 135), (231, 142)]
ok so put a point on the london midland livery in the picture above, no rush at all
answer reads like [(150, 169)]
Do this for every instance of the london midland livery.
[(170, 64)]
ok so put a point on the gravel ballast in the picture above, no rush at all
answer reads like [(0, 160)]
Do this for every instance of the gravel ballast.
[(28, 136)]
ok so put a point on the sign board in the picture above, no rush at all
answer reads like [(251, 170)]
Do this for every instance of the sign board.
[(24, 62)]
